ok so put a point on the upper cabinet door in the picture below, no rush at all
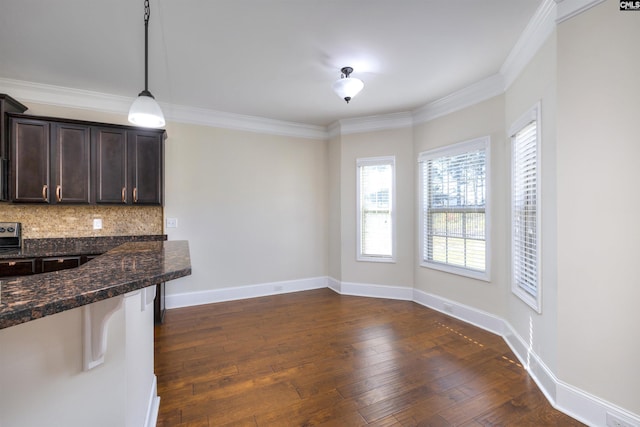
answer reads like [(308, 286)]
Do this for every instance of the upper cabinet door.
[(57, 160), (71, 166), (146, 161), (110, 165), (30, 160)]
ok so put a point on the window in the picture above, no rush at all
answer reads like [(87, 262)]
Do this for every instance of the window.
[(454, 213), (376, 200), (525, 208)]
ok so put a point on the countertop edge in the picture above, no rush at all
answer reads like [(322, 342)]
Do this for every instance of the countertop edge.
[(37, 311), (70, 246)]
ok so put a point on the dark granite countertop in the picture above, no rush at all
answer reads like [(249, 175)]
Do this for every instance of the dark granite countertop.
[(58, 247), (126, 268)]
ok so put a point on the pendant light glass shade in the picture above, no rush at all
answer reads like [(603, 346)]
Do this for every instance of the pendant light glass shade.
[(347, 87), (146, 112)]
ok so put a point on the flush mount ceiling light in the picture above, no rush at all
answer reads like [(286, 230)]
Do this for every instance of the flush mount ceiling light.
[(145, 111), (347, 87)]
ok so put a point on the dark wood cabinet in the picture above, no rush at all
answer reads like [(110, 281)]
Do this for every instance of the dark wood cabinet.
[(26, 266), (159, 308), (50, 162), (70, 161), (110, 165), (60, 263), (30, 160), (146, 158), (7, 105), (128, 166), (17, 267)]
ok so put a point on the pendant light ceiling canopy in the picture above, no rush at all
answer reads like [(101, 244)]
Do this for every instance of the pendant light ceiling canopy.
[(145, 111), (347, 87)]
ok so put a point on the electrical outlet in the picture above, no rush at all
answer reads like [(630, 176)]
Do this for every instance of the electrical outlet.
[(97, 224), (615, 421), (172, 222)]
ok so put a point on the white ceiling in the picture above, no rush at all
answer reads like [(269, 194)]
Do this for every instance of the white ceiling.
[(274, 59)]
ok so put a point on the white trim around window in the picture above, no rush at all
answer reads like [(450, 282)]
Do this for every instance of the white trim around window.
[(526, 224), (375, 209), (454, 208)]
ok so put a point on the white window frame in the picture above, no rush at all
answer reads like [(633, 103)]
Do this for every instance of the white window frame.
[(374, 161), (534, 301), (452, 150)]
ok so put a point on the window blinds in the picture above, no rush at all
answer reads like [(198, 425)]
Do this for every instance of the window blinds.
[(453, 203), (375, 208), (525, 208)]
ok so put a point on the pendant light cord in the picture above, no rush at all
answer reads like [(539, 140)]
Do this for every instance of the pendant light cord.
[(145, 111), (147, 14)]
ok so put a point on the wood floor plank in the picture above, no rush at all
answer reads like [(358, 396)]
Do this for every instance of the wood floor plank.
[(316, 358), (326, 406)]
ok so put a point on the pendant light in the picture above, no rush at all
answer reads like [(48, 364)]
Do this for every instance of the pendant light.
[(145, 111), (347, 87)]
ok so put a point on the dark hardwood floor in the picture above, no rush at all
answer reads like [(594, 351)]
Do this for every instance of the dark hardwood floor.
[(317, 358)]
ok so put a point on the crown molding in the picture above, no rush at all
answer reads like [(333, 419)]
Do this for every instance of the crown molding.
[(567, 9), (219, 119), (537, 31), (97, 101), (463, 98), (65, 97), (371, 124)]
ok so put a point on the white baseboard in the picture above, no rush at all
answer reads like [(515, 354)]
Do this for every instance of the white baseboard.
[(465, 313), (590, 409), (375, 291), (189, 299), (154, 405), (334, 285), (574, 402)]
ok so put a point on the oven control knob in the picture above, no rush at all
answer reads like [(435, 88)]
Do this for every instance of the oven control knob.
[(11, 229), (2, 230)]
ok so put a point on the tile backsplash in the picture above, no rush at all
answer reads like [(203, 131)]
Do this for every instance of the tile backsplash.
[(40, 222)]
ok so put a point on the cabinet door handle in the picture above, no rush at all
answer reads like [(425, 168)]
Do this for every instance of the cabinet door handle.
[(59, 193), (124, 194), (44, 192), (135, 194)]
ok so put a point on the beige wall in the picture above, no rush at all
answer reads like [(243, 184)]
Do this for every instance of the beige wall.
[(254, 207), (398, 143), (537, 83), (77, 221), (483, 119), (598, 204), (335, 208)]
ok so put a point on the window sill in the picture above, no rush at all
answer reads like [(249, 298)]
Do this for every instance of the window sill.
[(376, 259), (527, 298), (478, 275)]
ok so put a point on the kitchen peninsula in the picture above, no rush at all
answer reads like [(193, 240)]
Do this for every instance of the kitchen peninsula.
[(76, 346)]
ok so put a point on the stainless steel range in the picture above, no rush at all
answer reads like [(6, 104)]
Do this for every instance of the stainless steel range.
[(10, 236)]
